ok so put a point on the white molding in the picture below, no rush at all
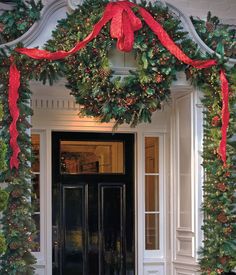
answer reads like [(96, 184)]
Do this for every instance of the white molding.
[(37, 28), (189, 27), (51, 7)]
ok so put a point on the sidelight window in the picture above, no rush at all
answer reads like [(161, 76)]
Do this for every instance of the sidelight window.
[(35, 198), (153, 207)]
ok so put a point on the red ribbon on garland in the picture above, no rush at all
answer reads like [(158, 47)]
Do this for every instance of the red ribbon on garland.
[(225, 115), (123, 25), (13, 95)]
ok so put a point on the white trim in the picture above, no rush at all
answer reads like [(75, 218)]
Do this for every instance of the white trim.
[(40, 256)]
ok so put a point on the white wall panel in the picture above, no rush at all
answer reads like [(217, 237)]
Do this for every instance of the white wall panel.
[(153, 270)]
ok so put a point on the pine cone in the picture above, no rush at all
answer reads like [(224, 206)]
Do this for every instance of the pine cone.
[(16, 193), (130, 101), (160, 18), (222, 217), (221, 186), (223, 260), (215, 121), (159, 78), (14, 245), (210, 26), (104, 72)]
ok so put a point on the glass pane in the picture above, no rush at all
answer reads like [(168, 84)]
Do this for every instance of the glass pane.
[(35, 138), (152, 193), (151, 155), (112, 226), (73, 217), (152, 233), (36, 193), (35, 197), (36, 218), (91, 157)]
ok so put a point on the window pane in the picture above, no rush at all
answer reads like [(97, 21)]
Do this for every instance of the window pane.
[(91, 157), (152, 193), (35, 197), (151, 155), (73, 255), (36, 193), (36, 152), (152, 241)]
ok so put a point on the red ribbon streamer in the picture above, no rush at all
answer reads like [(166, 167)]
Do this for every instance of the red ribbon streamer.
[(13, 95), (123, 25), (225, 115)]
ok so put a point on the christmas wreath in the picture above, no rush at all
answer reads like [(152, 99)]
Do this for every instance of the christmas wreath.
[(131, 99)]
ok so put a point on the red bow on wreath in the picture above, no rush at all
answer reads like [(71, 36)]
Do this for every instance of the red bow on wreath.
[(124, 23)]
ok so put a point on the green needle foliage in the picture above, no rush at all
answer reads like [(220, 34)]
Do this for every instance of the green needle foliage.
[(130, 100), (16, 22)]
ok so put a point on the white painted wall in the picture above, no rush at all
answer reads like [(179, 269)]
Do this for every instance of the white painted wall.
[(224, 9)]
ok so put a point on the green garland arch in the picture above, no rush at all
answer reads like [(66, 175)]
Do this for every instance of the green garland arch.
[(134, 98), (219, 252)]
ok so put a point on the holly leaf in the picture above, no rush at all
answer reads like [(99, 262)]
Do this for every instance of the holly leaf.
[(144, 60), (150, 91), (22, 26), (220, 49)]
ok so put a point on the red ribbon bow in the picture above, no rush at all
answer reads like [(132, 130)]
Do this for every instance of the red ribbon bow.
[(123, 25)]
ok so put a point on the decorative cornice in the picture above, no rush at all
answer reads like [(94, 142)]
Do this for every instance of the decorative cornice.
[(49, 9), (189, 27), (32, 34)]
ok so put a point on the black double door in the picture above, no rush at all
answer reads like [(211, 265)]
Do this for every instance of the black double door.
[(93, 206)]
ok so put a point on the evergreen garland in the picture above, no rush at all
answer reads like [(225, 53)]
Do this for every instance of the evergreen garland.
[(218, 253), (3, 193), (131, 100), (18, 225), (16, 22), (220, 38)]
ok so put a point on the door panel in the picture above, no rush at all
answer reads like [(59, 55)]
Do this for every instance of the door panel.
[(73, 229), (93, 213), (112, 231)]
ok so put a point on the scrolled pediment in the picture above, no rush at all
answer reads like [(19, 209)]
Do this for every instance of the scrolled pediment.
[(54, 10)]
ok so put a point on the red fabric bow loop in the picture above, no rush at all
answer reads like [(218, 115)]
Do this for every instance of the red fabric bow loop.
[(123, 25)]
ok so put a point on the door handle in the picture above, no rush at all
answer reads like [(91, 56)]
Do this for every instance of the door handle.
[(55, 244), (56, 256)]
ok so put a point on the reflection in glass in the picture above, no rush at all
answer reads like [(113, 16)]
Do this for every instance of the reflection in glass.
[(35, 139), (112, 229), (152, 241), (152, 193), (89, 157), (73, 232), (36, 193), (151, 155), (35, 196)]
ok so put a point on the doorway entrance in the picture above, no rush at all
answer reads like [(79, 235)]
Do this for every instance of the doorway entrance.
[(93, 203)]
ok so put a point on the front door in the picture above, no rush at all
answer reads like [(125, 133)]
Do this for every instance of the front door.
[(93, 203)]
